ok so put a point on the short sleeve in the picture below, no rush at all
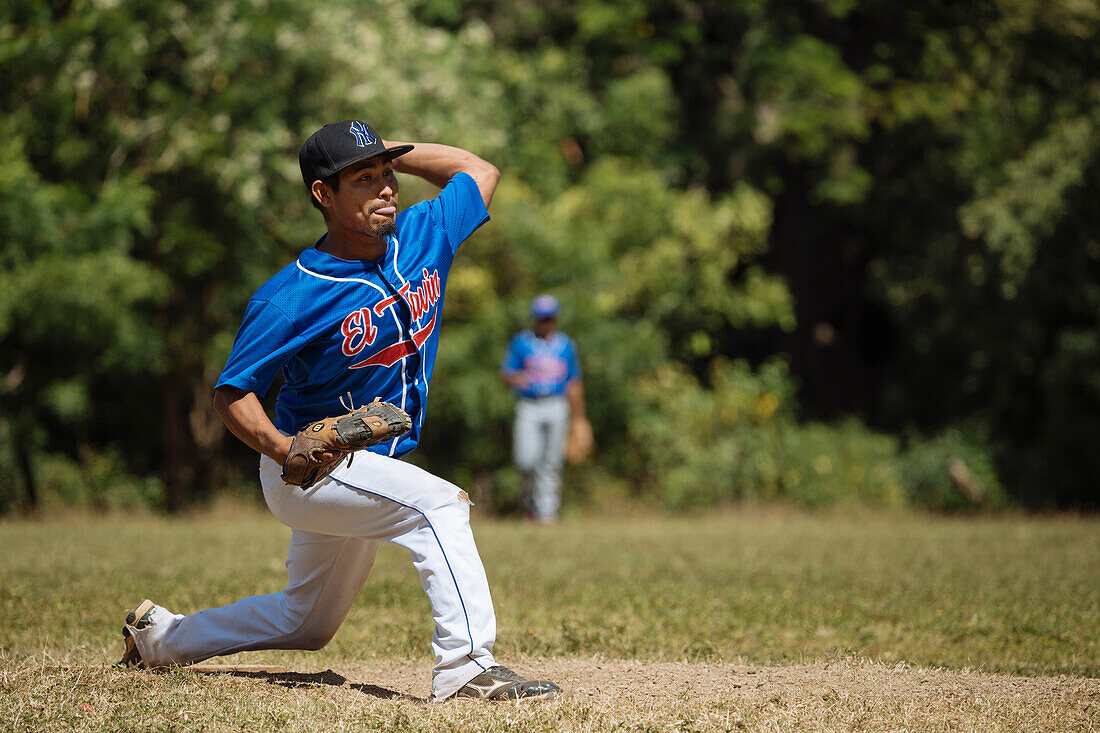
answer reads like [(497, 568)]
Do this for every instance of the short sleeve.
[(459, 209), (265, 342), (513, 362), (574, 363)]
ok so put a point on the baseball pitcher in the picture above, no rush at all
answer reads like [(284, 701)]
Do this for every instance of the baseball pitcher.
[(353, 326)]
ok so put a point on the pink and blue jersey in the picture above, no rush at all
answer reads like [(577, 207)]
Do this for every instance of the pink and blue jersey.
[(550, 364), (362, 328)]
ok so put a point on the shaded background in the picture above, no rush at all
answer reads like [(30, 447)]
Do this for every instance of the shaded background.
[(823, 252)]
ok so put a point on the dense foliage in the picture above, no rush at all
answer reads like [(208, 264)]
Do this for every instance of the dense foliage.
[(826, 251)]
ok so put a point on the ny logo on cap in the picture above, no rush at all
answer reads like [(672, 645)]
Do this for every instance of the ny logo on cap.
[(363, 138)]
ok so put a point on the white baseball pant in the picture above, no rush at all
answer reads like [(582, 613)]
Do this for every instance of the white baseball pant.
[(337, 525)]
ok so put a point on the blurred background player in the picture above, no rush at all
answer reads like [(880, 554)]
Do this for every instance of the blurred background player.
[(543, 370)]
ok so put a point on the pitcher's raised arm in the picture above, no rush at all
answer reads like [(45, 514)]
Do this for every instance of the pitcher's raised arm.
[(437, 163)]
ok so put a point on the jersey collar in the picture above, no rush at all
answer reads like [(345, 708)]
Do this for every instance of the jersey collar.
[(325, 264), (554, 337)]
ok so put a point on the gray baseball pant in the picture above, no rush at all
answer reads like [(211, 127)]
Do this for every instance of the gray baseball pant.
[(537, 442)]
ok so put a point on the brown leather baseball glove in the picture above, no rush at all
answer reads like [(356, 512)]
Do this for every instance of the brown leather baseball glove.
[(579, 441), (319, 447)]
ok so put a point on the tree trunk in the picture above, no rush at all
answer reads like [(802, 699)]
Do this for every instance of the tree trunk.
[(23, 458), (175, 446), (207, 432)]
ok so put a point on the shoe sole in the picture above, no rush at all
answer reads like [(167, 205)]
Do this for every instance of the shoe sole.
[(131, 657), (507, 694), (543, 697), (535, 696)]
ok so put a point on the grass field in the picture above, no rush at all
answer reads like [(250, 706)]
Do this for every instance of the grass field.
[(759, 619)]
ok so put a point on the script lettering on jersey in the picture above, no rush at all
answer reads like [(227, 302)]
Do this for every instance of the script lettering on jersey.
[(358, 331), (420, 300), (424, 297)]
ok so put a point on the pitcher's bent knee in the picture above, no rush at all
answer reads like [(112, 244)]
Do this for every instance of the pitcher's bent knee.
[(440, 494), (308, 627), (314, 639), (310, 637)]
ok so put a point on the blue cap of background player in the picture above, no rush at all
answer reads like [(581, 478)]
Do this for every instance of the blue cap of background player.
[(339, 144), (545, 306)]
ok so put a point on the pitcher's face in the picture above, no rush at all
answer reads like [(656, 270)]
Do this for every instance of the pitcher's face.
[(366, 199)]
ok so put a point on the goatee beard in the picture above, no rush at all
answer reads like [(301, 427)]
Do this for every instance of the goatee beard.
[(386, 229)]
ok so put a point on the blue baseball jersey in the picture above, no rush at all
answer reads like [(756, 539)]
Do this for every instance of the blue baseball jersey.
[(358, 329), (550, 364)]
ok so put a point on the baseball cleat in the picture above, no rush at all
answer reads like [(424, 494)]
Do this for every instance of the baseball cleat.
[(138, 618), (501, 683)]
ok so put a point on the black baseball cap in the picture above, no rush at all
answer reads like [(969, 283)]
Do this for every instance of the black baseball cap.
[(339, 144)]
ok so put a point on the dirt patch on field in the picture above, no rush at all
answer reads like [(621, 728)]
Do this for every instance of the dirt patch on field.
[(842, 695)]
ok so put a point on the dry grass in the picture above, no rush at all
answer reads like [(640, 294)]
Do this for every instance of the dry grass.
[(602, 695), (757, 620)]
